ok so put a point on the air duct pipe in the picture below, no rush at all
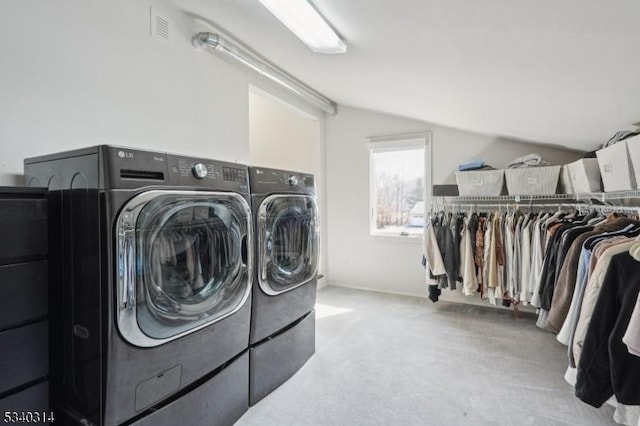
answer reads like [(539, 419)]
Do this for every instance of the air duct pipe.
[(252, 61)]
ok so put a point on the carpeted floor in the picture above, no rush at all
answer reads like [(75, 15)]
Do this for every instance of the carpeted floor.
[(393, 360)]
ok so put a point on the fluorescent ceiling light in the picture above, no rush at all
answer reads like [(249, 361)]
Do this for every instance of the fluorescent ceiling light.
[(307, 24)]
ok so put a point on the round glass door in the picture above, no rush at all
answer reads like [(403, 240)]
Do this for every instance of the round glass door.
[(287, 242), (183, 263)]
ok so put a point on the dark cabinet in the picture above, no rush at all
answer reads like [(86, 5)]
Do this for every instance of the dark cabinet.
[(24, 291)]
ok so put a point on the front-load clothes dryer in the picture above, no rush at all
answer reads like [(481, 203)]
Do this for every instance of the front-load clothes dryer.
[(282, 335), (150, 286)]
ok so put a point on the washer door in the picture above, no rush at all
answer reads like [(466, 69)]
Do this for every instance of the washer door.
[(182, 263), (287, 242)]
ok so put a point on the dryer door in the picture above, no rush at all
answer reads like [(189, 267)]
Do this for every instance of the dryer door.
[(287, 242), (182, 263)]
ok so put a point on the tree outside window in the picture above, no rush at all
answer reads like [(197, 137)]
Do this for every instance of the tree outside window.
[(398, 187)]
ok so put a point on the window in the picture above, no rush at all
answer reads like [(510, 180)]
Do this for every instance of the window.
[(398, 185)]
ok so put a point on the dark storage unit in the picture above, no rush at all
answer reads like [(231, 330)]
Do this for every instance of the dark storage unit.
[(24, 282), (25, 287)]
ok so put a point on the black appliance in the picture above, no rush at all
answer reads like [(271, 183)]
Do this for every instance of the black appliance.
[(150, 295), (282, 335)]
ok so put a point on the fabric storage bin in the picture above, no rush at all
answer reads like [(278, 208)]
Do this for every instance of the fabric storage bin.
[(633, 148), (480, 182), (585, 175), (533, 180), (566, 187), (615, 167)]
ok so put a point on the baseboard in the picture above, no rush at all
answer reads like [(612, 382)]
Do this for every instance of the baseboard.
[(322, 282), (376, 290), (451, 296)]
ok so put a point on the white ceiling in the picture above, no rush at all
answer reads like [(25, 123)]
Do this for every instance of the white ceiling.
[(563, 72)]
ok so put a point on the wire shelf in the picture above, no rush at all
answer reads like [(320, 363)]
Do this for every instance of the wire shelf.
[(589, 197)]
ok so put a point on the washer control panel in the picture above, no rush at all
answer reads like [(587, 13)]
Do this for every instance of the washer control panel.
[(133, 168), (208, 173)]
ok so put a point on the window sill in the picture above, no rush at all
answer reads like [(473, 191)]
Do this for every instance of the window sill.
[(394, 238)]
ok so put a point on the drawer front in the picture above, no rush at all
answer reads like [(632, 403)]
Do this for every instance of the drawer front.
[(220, 401), (23, 229), (25, 355), (33, 399), (24, 291)]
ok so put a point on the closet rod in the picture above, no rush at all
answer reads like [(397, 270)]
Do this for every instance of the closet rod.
[(586, 196), (576, 206)]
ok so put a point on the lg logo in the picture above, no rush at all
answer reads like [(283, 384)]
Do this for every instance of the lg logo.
[(123, 154)]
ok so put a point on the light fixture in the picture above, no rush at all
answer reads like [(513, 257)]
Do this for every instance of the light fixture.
[(235, 52), (307, 24)]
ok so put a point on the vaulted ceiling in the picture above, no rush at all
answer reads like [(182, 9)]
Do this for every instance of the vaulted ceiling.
[(563, 72)]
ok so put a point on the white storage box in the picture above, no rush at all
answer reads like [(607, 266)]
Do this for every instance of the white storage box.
[(585, 175), (633, 147), (533, 180), (480, 182), (566, 187), (615, 167)]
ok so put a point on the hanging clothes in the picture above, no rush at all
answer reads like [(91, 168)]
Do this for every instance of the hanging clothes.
[(514, 292), (496, 260), (457, 225), (451, 253), (577, 270), (431, 251), (488, 249), (509, 237), (632, 335), (537, 260), (605, 367), (468, 264), (565, 284), (591, 294), (432, 260), (526, 260), (480, 253)]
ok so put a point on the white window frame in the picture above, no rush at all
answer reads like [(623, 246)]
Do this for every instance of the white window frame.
[(390, 143)]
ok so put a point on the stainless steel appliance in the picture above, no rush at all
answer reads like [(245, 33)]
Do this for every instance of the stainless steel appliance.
[(150, 286), (282, 335)]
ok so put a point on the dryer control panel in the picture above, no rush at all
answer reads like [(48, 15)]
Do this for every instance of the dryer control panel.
[(264, 181)]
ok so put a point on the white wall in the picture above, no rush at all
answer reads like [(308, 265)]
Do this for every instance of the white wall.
[(356, 259), (84, 72), (281, 136)]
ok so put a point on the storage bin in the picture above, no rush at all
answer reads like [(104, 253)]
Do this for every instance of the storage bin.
[(566, 186), (585, 175), (633, 148), (480, 183), (615, 167), (533, 180)]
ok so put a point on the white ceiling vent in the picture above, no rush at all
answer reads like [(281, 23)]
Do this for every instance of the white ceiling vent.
[(160, 26)]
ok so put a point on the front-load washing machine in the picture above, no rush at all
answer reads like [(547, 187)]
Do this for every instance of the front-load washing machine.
[(282, 335), (150, 286)]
